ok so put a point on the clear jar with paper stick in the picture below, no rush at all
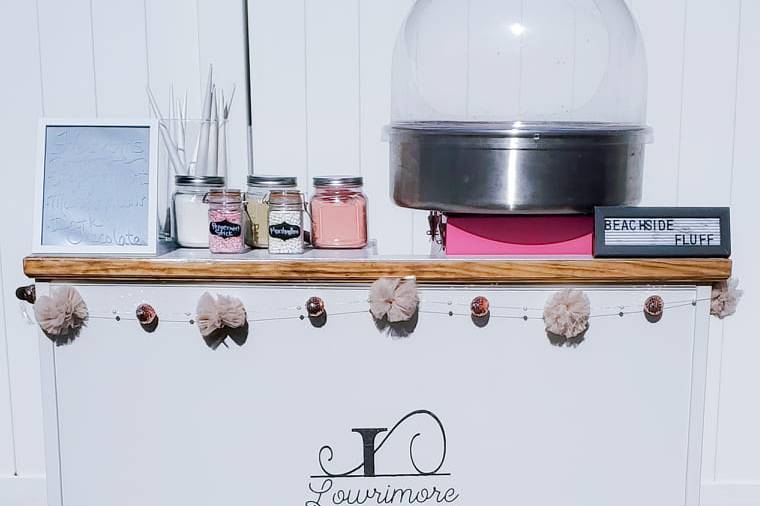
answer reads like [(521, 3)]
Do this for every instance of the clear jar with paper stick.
[(190, 211), (286, 235), (188, 148)]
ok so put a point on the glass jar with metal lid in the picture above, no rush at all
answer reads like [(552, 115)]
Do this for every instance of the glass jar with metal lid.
[(338, 212), (285, 223), (226, 221), (257, 206), (189, 211)]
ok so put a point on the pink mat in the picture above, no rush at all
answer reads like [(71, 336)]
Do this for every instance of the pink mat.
[(519, 235)]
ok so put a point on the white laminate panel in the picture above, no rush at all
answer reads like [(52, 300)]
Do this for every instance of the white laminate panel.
[(22, 88), (738, 442), (222, 43), (278, 82), (662, 26), (332, 87), (120, 58), (708, 103), (379, 24)]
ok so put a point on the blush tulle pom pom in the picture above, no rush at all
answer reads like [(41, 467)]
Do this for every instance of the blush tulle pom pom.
[(394, 298), (725, 298), (62, 314), (566, 313), (224, 311)]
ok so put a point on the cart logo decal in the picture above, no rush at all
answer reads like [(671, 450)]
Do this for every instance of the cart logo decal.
[(325, 486)]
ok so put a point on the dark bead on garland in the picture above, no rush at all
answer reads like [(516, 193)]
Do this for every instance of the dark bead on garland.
[(315, 307), (653, 308), (480, 307), (145, 313), (654, 305), (27, 293)]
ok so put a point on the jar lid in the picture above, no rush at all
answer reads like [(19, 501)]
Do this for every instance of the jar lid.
[(199, 180), (271, 181), (285, 198), (224, 196), (323, 181)]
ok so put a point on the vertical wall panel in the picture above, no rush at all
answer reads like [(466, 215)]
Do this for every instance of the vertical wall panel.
[(173, 60), (738, 441), (705, 151), (379, 24), (332, 86), (662, 26), (172, 40), (120, 56), (222, 43), (66, 54), (7, 457), (708, 105), (278, 79), (22, 108)]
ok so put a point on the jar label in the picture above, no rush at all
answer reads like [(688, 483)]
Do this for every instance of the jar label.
[(225, 229), (284, 231)]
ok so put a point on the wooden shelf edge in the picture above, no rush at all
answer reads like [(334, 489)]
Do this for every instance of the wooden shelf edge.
[(444, 271)]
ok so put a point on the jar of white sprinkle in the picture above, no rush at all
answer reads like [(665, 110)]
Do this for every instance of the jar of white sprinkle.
[(286, 222)]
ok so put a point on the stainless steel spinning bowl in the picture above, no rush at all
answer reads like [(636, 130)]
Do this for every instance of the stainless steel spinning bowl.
[(492, 168)]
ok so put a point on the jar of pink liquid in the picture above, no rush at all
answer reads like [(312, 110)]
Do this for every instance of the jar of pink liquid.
[(338, 212), (226, 221)]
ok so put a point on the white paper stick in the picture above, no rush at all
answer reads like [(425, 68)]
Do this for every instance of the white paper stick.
[(172, 119), (229, 106), (213, 136), (222, 156), (184, 132), (171, 148), (202, 163), (181, 133)]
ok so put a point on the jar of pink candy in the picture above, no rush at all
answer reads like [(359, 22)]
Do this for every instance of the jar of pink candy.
[(226, 223)]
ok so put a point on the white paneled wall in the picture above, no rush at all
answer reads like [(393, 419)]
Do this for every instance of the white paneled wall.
[(321, 95)]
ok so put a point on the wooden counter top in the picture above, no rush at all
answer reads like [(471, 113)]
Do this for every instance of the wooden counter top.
[(362, 267)]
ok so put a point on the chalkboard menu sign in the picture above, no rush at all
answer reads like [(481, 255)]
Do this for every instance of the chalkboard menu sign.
[(662, 232), (96, 187)]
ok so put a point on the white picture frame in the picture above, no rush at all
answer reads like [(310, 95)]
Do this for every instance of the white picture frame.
[(150, 244)]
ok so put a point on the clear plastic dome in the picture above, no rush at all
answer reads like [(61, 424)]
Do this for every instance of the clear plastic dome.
[(509, 61)]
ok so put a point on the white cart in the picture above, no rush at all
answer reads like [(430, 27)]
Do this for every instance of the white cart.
[(311, 413)]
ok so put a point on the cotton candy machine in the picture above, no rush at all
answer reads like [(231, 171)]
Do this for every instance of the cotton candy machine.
[(517, 106)]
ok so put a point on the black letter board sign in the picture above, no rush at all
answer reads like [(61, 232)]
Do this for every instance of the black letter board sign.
[(662, 232)]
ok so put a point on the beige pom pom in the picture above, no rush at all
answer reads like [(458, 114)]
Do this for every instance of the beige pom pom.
[(224, 311), (393, 298), (61, 314), (725, 298), (566, 313)]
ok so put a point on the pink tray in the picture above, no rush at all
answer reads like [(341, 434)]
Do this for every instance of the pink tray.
[(519, 235)]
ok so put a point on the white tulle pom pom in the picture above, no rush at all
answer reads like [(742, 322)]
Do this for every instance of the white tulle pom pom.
[(566, 313), (725, 298), (394, 298), (61, 314), (214, 314)]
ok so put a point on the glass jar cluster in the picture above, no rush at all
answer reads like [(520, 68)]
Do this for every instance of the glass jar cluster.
[(269, 215), (337, 211)]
